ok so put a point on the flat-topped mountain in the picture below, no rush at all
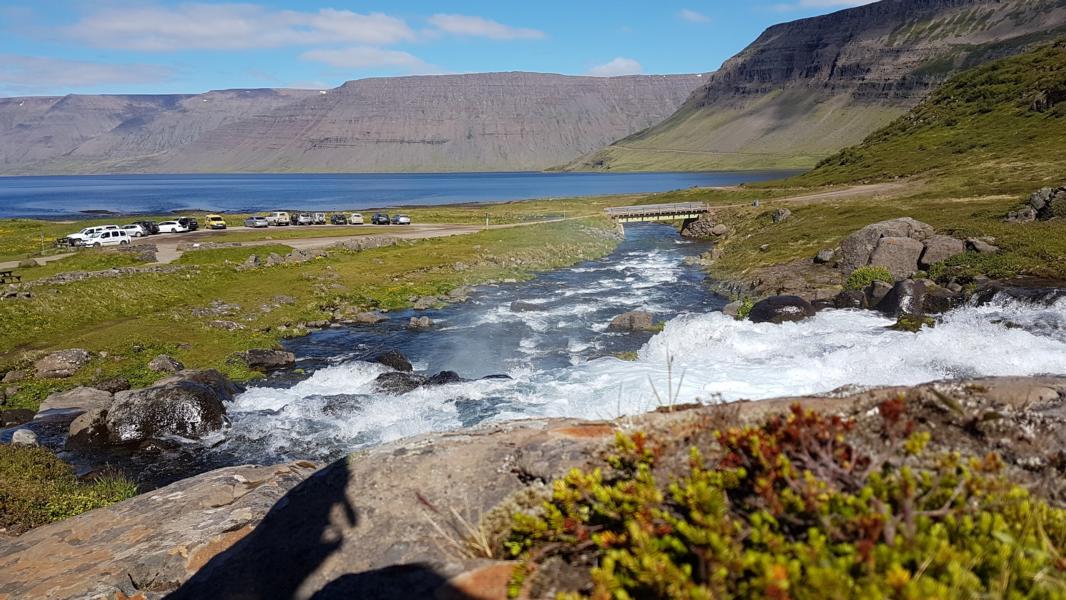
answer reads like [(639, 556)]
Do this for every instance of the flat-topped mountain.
[(807, 88), (477, 122)]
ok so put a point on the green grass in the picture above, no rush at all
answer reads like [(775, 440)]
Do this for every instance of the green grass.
[(981, 132), (37, 488), (862, 277), (136, 317)]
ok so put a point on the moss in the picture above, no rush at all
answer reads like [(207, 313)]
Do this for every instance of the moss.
[(862, 277), (746, 304), (913, 323), (793, 509), (37, 488), (628, 355)]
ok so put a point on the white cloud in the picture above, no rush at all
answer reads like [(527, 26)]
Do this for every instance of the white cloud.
[(693, 16), (232, 26), (471, 26), (367, 57), (617, 67), (38, 74), (817, 4)]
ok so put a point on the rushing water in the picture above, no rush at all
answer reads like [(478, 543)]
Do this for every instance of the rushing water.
[(61, 196), (550, 336)]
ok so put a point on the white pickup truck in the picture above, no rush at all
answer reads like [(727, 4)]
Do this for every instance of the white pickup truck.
[(82, 237)]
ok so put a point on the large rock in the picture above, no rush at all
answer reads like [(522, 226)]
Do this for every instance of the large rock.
[(79, 399), (165, 363), (88, 430), (394, 360), (398, 382), (24, 437), (980, 246), (636, 320), (780, 309), (62, 364), (149, 544), (187, 405), (267, 360), (1048, 202), (857, 248), (781, 215), (907, 297), (897, 254), (700, 228), (940, 248)]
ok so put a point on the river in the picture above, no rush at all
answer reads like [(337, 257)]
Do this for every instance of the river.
[(549, 335), (66, 196)]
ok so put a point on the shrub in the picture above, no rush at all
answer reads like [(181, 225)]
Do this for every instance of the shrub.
[(863, 276), (37, 488), (792, 509), (745, 308)]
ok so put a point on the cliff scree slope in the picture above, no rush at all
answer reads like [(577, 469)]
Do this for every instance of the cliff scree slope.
[(478, 122), (808, 88)]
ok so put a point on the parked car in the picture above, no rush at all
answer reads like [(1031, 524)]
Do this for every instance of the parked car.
[(110, 237), (279, 218), (256, 222), (401, 220), (379, 219), (172, 227), (304, 219), (355, 219), (214, 222), (189, 223), (318, 219), (134, 230), (150, 227), (338, 220), (80, 238)]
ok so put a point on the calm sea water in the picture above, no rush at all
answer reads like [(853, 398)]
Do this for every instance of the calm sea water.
[(62, 196)]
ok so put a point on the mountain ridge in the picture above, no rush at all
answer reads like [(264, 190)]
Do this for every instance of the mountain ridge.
[(505, 121)]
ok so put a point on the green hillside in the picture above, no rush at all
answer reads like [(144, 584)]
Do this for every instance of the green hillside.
[(997, 128)]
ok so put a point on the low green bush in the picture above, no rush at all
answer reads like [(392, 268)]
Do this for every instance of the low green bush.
[(745, 307), (863, 276), (37, 488), (793, 509)]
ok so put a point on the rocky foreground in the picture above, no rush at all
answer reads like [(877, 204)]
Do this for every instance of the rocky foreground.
[(404, 519)]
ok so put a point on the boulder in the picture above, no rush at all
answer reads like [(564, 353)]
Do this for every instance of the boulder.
[(732, 309), (368, 318), (113, 384), (262, 359), (857, 248), (24, 437), (636, 320), (189, 405), (781, 309), (165, 364), (850, 299), (824, 256), (897, 254), (14, 376), (907, 297), (88, 430), (251, 262), (699, 228), (781, 215), (939, 299), (981, 246), (719, 230), (28, 263), (425, 302), (398, 382), (876, 291), (420, 323), (940, 248), (79, 399), (445, 377), (62, 364), (1048, 202), (394, 360), (1025, 215), (520, 306)]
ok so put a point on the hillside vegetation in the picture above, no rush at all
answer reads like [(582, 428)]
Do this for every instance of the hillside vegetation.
[(998, 128)]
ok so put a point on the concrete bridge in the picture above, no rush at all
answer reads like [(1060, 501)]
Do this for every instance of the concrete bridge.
[(681, 211)]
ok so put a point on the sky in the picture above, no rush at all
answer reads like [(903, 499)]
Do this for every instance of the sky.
[(57, 47)]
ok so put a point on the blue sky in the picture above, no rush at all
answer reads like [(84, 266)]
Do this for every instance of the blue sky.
[(53, 47)]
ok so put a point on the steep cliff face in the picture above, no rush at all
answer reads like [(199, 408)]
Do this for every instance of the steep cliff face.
[(480, 122), (807, 88)]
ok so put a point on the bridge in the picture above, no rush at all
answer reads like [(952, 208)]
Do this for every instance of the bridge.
[(682, 211)]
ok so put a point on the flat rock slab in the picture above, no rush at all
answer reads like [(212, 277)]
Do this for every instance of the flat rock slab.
[(150, 543)]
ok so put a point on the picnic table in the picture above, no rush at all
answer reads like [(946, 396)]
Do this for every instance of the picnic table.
[(9, 277)]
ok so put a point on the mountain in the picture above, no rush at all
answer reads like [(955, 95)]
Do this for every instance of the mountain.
[(1000, 126), (478, 122), (807, 88)]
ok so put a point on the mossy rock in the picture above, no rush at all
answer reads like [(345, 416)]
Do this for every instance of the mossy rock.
[(913, 323)]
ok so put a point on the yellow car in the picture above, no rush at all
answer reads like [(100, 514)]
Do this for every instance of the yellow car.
[(214, 222)]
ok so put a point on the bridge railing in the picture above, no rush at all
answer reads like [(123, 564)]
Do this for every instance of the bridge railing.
[(656, 209)]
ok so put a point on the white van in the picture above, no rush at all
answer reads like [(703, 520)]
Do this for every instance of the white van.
[(111, 237), (279, 218), (82, 237)]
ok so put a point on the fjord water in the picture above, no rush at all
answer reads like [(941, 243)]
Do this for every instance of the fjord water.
[(64, 196), (550, 336)]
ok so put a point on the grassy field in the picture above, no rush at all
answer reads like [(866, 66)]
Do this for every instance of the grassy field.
[(131, 319)]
